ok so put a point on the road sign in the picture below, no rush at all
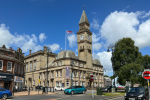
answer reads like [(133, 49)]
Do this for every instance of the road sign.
[(39, 80), (92, 77), (146, 74)]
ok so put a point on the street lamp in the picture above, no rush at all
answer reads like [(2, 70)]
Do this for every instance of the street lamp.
[(72, 63), (103, 76), (112, 46), (48, 51)]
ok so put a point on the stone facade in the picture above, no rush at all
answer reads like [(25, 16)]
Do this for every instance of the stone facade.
[(36, 74)]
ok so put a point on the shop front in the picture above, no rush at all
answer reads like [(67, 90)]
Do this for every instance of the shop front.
[(19, 82), (6, 81)]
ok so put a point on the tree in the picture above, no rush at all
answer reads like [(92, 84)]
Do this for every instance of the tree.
[(106, 76), (130, 72), (126, 56)]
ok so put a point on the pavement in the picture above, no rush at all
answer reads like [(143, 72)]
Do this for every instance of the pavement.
[(25, 93)]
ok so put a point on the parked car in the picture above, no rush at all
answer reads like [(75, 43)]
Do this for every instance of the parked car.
[(59, 88), (39, 87), (137, 93), (4, 93), (75, 89), (108, 89)]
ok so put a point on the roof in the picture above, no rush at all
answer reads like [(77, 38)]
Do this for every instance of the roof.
[(97, 62), (5, 49), (107, 79), (83, 18), (66, 54)]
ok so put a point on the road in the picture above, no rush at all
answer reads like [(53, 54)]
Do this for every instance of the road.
[(62, 96)]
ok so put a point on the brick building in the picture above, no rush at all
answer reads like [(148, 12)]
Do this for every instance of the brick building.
[(36, 63), (11, 68)]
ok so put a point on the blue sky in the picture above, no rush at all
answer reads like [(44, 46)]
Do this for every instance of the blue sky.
[(31, 24)]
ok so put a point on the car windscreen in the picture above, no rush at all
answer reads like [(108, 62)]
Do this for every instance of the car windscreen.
[(137, 89), (72, 87), (58, 86)]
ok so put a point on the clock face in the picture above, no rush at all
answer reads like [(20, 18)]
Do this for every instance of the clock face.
[(88, 37), (81, 37)]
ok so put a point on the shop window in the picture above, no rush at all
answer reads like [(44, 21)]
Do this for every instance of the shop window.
[(9, 66), (1, 64)]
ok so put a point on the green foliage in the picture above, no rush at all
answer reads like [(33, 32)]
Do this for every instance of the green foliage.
[(146, 61), (106, 76), (127, 61), (111, 77)]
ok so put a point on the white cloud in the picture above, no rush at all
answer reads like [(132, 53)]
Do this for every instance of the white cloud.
[(97, 46), (146, 15), (104, 58), (72, 40), (54, 47), (95, 38), (125, 8), (25, 42), (95, 24), (42, 37), (5, 35), (123, 24)]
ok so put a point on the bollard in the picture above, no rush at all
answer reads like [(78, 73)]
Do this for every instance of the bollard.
[(28, 90)]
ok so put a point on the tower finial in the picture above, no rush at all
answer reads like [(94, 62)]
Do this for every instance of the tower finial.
[(83, 7)]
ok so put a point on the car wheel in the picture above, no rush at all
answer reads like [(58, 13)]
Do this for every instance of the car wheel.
[(83, 92), (4, 96), (72, 92), (61, 89)]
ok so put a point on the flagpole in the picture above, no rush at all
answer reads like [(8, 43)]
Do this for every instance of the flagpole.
[(65, 40)]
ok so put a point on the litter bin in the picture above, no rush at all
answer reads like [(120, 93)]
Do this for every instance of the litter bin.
[(99, 91), (43, 89)]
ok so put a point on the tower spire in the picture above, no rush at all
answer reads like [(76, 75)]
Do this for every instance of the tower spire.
[(84, 18)]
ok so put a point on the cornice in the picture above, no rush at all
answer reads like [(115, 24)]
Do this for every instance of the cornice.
[(69, 58), (84, 30), (84, 41), (38, 53), (12, 59)]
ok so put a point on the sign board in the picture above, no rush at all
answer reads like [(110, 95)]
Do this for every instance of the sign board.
[(18, 79), (146, 74), (92, 77), (39, 80), (2, 76)]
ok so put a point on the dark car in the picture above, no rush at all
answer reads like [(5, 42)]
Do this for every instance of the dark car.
[(39, 87), (75, 89), (137, 93), (4, 93), (108, 89)]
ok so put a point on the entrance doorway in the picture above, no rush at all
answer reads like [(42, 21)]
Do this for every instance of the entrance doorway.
[(6, 85)]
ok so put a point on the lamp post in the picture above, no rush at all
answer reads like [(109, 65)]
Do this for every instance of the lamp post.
[(103, 76), (48, 51), (112, 46), (72, 63)]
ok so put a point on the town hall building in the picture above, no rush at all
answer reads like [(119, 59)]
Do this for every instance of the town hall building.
[(58, 64)]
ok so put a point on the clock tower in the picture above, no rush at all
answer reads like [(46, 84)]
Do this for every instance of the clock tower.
[(84, 40)]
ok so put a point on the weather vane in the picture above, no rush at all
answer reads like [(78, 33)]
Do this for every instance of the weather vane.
[(83, 7)]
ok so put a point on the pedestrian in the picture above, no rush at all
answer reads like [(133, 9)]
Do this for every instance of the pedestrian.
[(16, 88)]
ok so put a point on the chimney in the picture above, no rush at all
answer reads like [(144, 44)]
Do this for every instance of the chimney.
[(23, 54), (4, 46), (29, 52), (45, 49)]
